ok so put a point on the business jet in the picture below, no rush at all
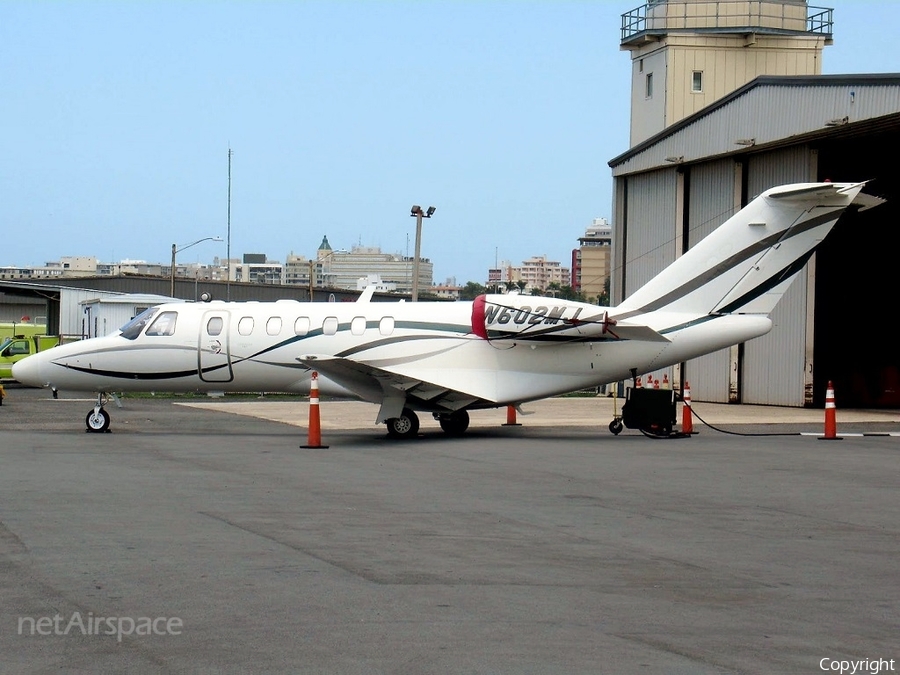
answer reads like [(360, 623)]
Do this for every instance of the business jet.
[(447, 358)]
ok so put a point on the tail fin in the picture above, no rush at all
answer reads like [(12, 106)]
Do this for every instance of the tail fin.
[(747, 264)]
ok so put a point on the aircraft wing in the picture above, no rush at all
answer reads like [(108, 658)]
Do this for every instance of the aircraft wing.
[(389, 388)]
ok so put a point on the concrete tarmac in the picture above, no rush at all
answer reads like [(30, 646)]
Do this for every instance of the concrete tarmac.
[(551, 547)]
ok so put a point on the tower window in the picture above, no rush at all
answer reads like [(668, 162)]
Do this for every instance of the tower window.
[(649, 86), (697, 81)]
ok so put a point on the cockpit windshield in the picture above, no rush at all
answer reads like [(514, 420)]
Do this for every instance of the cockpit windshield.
[(134, 327)]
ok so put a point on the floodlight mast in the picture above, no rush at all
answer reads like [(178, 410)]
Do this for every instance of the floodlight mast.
[(416, 211), (175, 250)]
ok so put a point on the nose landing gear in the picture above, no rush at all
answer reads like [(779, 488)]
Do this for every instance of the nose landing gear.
[(97, 420)]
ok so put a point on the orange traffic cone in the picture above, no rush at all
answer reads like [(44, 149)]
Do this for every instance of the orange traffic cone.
[(830, 416), (687, 419), (665, 384), (511, 417), (314, 438), (637, 382), (656, 383)]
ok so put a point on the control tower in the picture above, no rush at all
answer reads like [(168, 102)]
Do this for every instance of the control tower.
[(686, 54)]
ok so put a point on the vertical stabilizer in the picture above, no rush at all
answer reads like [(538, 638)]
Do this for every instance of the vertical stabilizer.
[(747, 264)]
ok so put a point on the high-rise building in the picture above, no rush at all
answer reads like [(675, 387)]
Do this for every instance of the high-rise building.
[(533, 275), (591, 261), (337, 268)]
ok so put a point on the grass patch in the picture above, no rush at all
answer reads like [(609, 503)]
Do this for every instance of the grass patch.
[(200, 396)]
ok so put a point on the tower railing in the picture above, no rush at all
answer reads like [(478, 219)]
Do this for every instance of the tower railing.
[(725, 16)]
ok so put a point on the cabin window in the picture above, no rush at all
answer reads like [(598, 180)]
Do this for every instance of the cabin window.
[(164, 324), (358, 325), (134, 327), (330, 325), (215, 325), (301, 325), (273, 325), (386, 325), (697, 82), (245, 325)]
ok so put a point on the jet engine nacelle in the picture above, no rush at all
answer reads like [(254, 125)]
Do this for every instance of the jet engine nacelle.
[(526, 317)]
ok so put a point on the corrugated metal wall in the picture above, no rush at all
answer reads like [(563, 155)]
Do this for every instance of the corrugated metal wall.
[(75, 321), (773, 365), (16, 309), (650, 229), (768, 113), (71, 312), (711, 202)]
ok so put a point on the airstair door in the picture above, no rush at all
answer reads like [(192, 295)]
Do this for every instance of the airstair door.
[(214, 357)]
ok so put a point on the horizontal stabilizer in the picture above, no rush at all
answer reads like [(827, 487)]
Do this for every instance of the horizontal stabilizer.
[(624, 331), (866, 202), (806, 193)]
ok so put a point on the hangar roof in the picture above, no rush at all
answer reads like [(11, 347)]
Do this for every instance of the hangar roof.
[(771, 111)]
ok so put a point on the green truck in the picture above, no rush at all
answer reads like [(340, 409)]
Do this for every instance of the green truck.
[(15, 348), (21, 329)]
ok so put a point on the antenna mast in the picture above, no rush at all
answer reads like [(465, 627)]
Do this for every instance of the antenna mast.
[(228, 245)]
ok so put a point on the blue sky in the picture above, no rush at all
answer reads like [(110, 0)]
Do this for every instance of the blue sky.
[(117, 117)]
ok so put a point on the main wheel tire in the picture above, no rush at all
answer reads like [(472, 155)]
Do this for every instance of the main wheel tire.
[(97, 421), (455, 424), (405, 426)]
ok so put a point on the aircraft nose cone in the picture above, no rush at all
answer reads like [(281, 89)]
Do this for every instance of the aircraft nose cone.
[(28, 371)]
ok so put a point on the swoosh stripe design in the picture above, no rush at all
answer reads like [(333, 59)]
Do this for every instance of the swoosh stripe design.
[(732, 261)]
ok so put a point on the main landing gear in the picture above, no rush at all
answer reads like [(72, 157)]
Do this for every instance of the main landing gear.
[(455, 423), (403, 427), (407, 425), (97, 420)]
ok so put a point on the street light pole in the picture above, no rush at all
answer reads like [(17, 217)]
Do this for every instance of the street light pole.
[(313, 264), (172, 281), (416, 211), (175, 250)]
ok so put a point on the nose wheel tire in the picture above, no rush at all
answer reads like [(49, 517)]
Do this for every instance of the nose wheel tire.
[(97, 421)]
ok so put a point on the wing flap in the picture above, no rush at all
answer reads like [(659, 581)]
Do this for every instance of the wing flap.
[(389, 388)]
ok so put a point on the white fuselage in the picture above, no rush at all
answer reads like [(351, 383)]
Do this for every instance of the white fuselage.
[(252, 346)]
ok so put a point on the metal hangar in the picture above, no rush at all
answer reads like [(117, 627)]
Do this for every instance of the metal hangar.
[(675, 187)]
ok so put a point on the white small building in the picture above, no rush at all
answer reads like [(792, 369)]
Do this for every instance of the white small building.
[(107, 313), (375, 280)]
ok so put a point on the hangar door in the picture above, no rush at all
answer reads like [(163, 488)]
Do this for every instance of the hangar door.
[(773, 366), (856, 279), (649, 227), (711, 201)]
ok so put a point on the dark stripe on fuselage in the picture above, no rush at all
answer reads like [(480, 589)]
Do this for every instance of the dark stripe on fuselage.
[(137, 376)]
